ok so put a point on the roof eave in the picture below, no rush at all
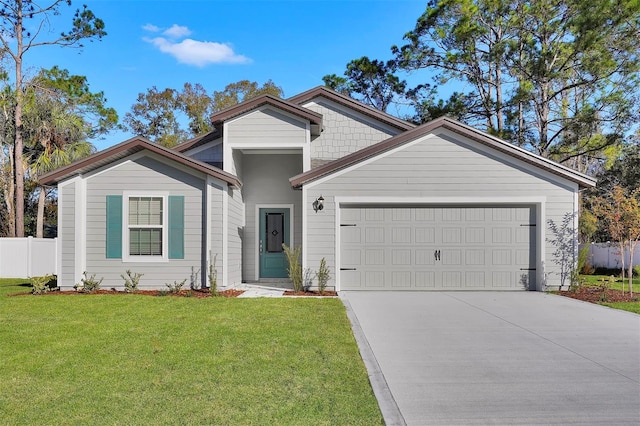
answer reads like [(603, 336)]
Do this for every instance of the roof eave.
[(582, 180), (127, 148)]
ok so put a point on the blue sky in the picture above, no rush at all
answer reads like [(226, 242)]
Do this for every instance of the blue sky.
[(166, 43)]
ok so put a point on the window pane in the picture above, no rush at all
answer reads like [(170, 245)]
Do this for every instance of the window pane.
[(145, 211), (145, 242)]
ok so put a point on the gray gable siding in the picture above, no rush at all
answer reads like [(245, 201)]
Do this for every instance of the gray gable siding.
[(67, 233), (209, 154), (345, 131), (145, 174), (266, 127), (436, 168)]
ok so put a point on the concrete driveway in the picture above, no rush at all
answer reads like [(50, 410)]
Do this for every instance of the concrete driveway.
[(498, 358)]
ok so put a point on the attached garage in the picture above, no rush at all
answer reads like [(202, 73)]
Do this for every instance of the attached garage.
[(437, 247), (440, 207)]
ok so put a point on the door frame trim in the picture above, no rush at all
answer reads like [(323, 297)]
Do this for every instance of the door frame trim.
[(538, 202), (257, 234)]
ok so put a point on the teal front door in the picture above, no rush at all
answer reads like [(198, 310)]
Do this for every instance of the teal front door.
[(274, 231)]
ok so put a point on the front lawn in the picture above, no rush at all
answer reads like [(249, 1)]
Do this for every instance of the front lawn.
[(598, 285), (130, 359)]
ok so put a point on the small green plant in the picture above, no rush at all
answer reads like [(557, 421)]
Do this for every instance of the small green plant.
[(323, 274), (294, 269), (88, 284), (604, 285), (131, 281), (636, 270), (163, 293), (213, 275), (176, 286), (43, 284)]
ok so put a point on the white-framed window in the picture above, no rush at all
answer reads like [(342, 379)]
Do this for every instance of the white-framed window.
[(145, 232)]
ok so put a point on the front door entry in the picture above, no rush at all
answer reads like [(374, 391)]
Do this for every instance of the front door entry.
[(274, 231)]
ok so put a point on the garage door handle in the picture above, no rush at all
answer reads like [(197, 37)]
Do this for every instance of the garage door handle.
[(347, 269), (528, 269)]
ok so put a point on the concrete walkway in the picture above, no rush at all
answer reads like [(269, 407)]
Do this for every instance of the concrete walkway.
[(459, 358), (256, 290)]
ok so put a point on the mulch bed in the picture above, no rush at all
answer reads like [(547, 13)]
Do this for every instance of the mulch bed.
[(199, 294), (597, 295), (310, 293)]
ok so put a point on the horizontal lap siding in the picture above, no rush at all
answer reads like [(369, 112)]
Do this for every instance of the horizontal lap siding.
[(345, 131), (67, 234), (216, 206), (144, 174), (236, 230), (436, 167), (266, 127)]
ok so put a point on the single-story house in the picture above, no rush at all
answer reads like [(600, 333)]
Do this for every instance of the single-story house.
[(389, 205)]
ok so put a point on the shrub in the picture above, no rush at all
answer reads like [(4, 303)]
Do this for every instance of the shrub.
[(294, 269), (131, 281), (323, 275), (176, 286), (43, 284), (88, 284), (636, 270)]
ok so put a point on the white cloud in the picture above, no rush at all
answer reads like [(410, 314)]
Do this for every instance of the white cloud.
[(151, 28), (198, 53), (177, 31)]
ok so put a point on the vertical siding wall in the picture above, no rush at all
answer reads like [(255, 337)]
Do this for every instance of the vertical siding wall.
[(437, 167), (345, 131), (144, 174), (266, 181)]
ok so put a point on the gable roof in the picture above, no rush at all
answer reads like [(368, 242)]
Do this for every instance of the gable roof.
[(127, 148), (325, 92), (483, 138), (261, 100), (198, 140)]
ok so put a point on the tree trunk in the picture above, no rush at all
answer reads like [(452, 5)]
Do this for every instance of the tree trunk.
[(18, 144), (40, 219), (632, 247)]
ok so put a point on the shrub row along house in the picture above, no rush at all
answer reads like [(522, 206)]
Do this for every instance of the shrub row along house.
[(389, 205)]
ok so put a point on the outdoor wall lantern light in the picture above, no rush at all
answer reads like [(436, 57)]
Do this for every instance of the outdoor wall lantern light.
[(318, 204)]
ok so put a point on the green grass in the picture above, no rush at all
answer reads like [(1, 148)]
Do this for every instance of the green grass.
[(594, 280), (131, 359), (625, 306), (597, 279)]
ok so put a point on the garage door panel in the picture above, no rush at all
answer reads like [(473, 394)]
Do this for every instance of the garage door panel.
[(425, 279), (431, 248), (374, 279), (401, 279), (474, 279), (401, 257), (451, 279), (424, 235), (374, 257)]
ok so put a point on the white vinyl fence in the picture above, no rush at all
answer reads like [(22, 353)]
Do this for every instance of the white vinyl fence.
[(607, 255), (28, 257)]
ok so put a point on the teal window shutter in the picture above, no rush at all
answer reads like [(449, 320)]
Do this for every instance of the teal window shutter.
[(114, 226), (176, 227)]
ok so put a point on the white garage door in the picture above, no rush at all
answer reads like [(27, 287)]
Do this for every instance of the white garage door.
[(437, 248)]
